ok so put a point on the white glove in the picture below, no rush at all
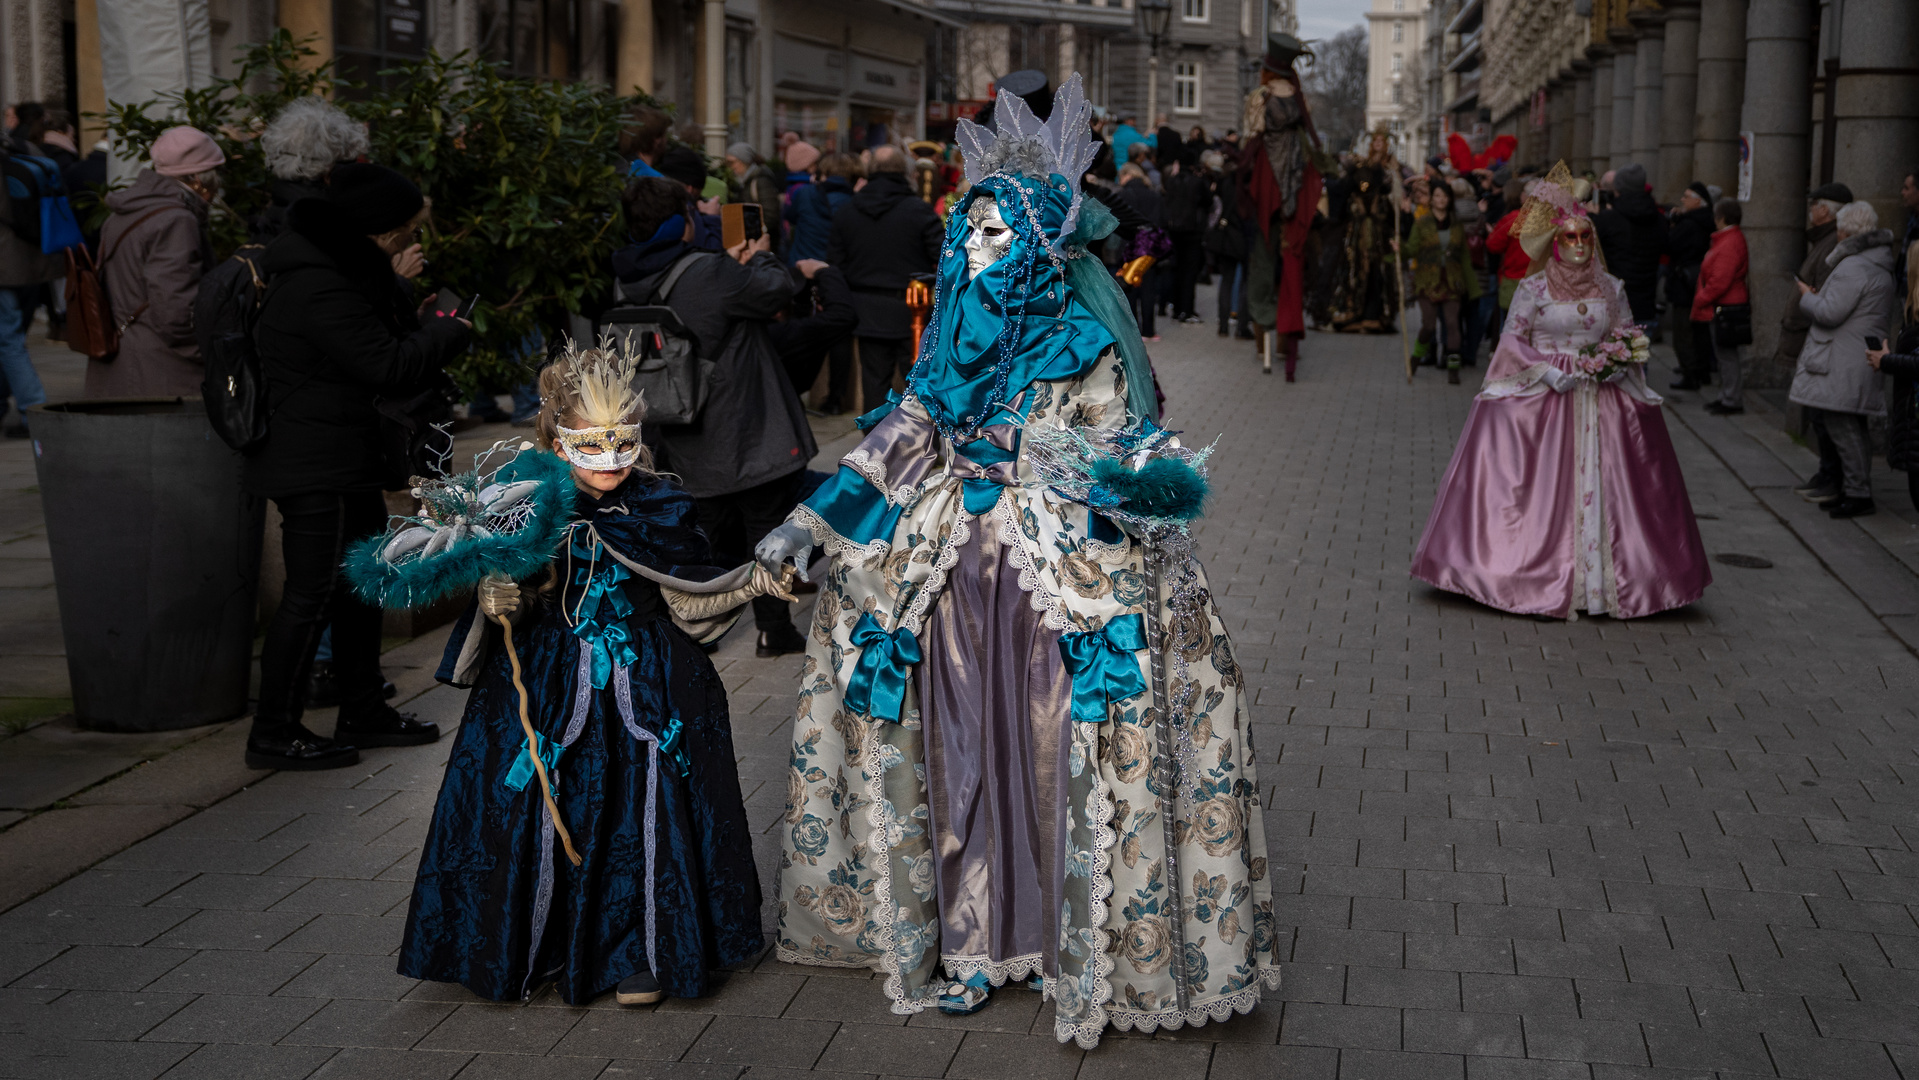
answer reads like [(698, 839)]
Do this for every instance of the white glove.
[(498, 596), (1558, 380), (788, 544), (1616, 376), (698, 607)]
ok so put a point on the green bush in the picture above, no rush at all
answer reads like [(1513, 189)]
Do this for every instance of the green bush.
[(525, 177)]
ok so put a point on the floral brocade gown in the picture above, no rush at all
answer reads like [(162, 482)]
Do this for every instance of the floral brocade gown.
[(1004, 823)]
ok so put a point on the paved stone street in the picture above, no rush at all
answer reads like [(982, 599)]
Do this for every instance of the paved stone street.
[(1504, 848)]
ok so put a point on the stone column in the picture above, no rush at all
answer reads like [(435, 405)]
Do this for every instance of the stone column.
[(1721, 92), (1647, 92), (635, 57), (1876, 103), (1559, 109), (713, 77), (1779, 39), (1602, 113), (1680, 100), (1624, 71), (1582, 130)]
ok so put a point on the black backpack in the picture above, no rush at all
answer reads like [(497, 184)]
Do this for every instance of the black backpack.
[(42, 216), (672, 375), (224, 313)]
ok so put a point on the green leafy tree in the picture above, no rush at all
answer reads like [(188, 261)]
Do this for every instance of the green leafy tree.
[(524, 176)]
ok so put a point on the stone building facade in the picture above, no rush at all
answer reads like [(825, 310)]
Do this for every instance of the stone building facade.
[(1801, 91), (1396, 90)]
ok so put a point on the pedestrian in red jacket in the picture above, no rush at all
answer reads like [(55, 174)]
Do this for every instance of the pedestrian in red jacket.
[(1722, 281)]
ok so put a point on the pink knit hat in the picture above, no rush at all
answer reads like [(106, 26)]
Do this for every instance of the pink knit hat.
[(184, 151), (801, 156)]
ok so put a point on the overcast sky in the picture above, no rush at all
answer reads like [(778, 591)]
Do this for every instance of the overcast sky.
[(1324, 18)]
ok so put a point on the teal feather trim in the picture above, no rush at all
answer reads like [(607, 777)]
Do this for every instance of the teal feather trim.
[(538, 527), (1165, 487)]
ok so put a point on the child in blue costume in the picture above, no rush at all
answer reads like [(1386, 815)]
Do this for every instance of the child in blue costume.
[(632, 724)]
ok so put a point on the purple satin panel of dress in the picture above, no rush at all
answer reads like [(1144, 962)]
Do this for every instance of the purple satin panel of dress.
[(995, 702), (1502, 529)]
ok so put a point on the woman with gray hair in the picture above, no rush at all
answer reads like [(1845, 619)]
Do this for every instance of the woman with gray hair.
[(302, 145), (1835, 382)]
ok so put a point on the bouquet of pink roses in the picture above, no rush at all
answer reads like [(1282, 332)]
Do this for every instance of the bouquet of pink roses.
[(1613, 354)]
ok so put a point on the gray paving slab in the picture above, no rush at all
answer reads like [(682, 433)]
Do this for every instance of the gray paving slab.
[(1501, 847)]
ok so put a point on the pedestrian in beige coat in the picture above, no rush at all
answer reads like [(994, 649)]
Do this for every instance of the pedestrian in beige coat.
[(153, 252)]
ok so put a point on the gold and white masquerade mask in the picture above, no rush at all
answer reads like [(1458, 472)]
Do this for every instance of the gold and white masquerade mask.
[(602, 382)]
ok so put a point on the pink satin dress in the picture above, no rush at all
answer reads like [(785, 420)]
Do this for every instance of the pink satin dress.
[(1562, 502)]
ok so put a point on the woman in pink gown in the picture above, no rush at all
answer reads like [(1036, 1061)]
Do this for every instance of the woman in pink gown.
[(1564, 494)]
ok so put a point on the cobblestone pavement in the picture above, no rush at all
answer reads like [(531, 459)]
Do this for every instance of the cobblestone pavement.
[(1503, 847)]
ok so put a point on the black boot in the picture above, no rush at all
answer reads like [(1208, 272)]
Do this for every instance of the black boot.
[(295, 749), (382, 725), (779, 641)]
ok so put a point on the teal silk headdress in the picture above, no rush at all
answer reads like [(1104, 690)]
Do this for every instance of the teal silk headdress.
[(1047, 310)]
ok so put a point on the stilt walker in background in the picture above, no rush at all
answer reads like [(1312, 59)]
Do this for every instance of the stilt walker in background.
[(1279, 185)]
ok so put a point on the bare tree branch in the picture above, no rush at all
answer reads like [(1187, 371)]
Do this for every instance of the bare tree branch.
[(1336, 87)]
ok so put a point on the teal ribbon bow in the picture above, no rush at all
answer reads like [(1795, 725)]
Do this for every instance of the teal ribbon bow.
[(522, 770), (1104, 666), (612, 642), (673, 745), (878, 685)]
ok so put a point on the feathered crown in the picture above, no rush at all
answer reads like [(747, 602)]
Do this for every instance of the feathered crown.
[(602, 382), (1549, 203), (1024, 145)]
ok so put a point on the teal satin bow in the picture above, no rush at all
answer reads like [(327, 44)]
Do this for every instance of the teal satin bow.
[(612, 642), (1104, 666), (878, 686), (522, 770), (673, 745)]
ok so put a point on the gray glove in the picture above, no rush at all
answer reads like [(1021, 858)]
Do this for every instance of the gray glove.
[(788, 544), (498, 595)]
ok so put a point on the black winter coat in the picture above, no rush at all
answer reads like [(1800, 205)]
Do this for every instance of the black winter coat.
[(1690, 238), (752, 428), (1902, 412), (821, 316), (882, 237), (1633, 235), (1187, 199), (337, 330)]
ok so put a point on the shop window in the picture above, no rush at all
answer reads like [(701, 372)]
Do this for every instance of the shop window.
[(1186, 86), (370, 35)]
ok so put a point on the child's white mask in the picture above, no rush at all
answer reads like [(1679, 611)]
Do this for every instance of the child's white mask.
[(601, 449)]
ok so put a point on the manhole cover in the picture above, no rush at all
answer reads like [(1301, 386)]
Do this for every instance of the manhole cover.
[(1748, 562)]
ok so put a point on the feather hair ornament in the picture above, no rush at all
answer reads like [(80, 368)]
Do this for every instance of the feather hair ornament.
[(602, 382)]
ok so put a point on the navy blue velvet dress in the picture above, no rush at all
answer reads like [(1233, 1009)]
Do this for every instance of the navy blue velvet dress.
[(634, 722)]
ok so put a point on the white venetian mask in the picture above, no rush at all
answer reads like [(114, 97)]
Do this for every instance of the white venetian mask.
[(991, 238), (601, 449)]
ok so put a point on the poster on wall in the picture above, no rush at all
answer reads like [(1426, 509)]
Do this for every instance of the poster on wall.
[(1745, 166)]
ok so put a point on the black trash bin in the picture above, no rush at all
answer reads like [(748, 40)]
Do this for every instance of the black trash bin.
[(156, 557)]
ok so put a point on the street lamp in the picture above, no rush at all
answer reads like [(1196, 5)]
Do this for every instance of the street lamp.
[(1154, 17)]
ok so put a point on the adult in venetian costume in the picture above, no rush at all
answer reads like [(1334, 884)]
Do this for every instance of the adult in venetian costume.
[(1279, 186), (635, 870), (1564, 493), (969, 801), (1365, 289)]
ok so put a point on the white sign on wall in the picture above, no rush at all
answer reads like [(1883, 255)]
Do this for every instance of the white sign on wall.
[(1745, 166)]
